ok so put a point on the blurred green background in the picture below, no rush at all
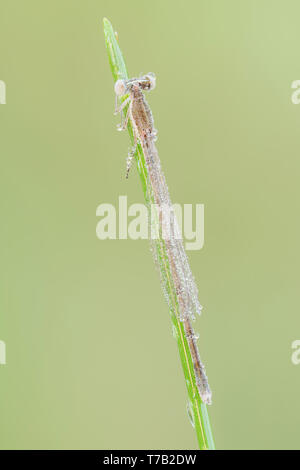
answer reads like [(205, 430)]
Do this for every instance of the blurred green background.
[(91, 361)]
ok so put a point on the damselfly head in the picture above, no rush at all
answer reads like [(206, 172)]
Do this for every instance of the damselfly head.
[(152, 80), (146, 82)]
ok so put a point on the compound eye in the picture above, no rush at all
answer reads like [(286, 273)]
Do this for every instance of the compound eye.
[(152, 80), (120, 88)]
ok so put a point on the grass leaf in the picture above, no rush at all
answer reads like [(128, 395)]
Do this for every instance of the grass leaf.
[(197, 410)]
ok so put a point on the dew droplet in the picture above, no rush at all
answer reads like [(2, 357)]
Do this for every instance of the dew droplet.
[(189, 409)]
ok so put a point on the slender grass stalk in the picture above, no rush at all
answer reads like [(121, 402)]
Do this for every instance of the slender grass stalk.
[(196, 408)]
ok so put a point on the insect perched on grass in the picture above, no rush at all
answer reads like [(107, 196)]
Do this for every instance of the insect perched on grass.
[(183, 283), (138, 110)]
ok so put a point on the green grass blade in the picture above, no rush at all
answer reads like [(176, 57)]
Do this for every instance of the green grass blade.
[(197, 409)]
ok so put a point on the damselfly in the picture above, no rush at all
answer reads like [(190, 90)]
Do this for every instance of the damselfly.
[(180, 289)]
